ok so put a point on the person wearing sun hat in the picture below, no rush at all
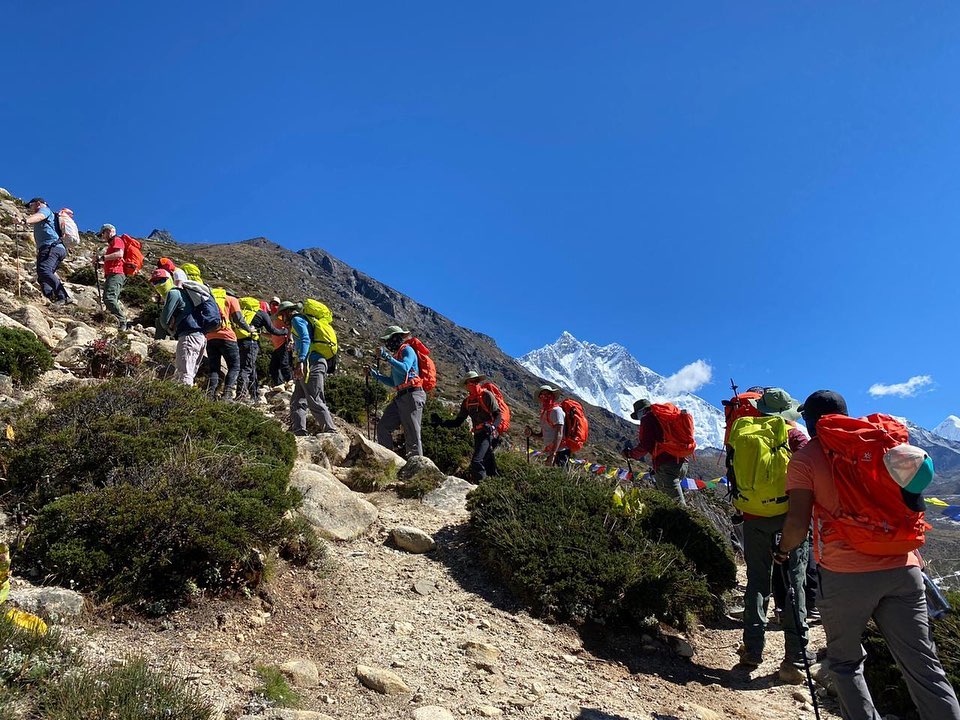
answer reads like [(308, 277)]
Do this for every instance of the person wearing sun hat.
[(484, 411), (856, 586), (406, 408), (552, 418), (668, 471)]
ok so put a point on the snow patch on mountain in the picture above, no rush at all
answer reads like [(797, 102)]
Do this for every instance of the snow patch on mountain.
[(949, 428), (610, 377)]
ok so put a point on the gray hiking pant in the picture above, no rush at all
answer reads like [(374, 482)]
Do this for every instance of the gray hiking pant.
[(405, 410), (308, 394), (896, 601), (189, 355), (112, 287), (758, 537), (668, 477)]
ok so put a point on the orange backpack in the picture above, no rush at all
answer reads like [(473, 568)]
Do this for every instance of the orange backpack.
[(737, 407), (504, 425), (576, 429), (428, 371), (874, 518), (132, 255), (677, 427)]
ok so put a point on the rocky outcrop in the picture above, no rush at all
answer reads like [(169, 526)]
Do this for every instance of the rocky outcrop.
[(336, 511)]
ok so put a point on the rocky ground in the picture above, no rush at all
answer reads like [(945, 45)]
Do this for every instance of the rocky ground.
[(401, 621)]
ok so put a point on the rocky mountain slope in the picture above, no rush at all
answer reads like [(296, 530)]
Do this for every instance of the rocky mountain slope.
[(610, 377), (949, 428)]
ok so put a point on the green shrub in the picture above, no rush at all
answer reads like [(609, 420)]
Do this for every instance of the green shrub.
[(137, 291), (449, 448), (885, 678), (561, 546), (28, 660), (22, 356), (369, 474), (132, 691), (146, 493), (300, 543), (349, 396), (110, 357), (275, 688), (149, 315), (263, 359), (85, 275)]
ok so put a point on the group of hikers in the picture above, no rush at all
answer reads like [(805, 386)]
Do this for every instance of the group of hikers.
[(850, 488)]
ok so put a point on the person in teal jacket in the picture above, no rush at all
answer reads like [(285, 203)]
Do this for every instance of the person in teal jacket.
[(309, 375), (406, 408)]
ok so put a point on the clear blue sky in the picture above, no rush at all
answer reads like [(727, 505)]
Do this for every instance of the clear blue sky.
[(772, 187)]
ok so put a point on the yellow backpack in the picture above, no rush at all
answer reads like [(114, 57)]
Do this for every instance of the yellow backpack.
[(249, 307), (323, 338)]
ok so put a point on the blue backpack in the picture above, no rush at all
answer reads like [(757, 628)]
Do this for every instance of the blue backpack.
[(205, 312)]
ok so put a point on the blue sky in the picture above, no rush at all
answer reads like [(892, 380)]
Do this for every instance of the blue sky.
[(771, 187)]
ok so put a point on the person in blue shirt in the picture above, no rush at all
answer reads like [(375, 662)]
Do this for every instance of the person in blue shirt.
[(309, 375), (50, 252), (406, 408)]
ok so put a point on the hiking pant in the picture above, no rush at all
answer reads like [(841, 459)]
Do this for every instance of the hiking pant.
[(112, 285), (669, 477), (49, 258), (280, 366), (247, 384), (308, 394), (759, 535), (809, 586), (405, 409), (484, 462), (895, 599), (189, 355), (228, 350)]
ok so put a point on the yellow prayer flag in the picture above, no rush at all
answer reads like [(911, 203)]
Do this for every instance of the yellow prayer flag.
[(937, 501), (11, 435)]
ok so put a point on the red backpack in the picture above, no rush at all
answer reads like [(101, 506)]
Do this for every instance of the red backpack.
[(504, 425), (677, 427), (132, 255), (576, 429), (428, 370), (874, 519), (737, 407)]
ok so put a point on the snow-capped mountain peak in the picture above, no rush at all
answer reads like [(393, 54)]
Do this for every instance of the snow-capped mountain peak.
[(949, 428), (610, 377)]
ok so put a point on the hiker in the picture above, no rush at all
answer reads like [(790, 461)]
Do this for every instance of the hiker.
[(192, 272), (114, 277), (886, 583), (668, 451), (167, 264), (179, 319), (758, 450), (489, 415), (50, 251), (249, 343), (310, 364), (222, 345), (552, 418), (406, 408), (280, 371)]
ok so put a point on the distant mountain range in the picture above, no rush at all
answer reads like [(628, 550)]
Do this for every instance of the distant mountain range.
[(610, 377), (949, 428)]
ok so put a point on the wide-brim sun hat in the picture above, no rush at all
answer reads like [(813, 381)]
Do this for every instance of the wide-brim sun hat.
[(393, 331), (777, 401), (547, 388), (287, 305), (641, 404), (472, 375)]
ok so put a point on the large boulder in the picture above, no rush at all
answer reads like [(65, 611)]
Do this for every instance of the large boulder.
[(78, 335), (8, 322), (451, 496), (331, 507), (52, 602), (364, 451), (31, 317)]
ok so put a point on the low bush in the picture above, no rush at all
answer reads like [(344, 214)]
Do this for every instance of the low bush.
[(449, 448), (137, 291), (350, 397), (884, 677), (131, 691), (369, 474), (559, 543), (146, 493), (29, 660), (84, 275), (110, 357), (22, 356), (275, 688), (149, 314)]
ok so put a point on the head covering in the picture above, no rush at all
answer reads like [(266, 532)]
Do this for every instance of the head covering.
[(192, 271), (159, 274), (393, 330), (105, 227), (36, 199), (275, 300), (472, 375), (167, 264), (823, 402), (547, 388), (284, 306), (161, 281), (639, 406), (912, 469), (179, 276), (777, 401)]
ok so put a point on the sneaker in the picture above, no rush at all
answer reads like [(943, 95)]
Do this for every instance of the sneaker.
[(791, 674), (813, 616), (749, 659)]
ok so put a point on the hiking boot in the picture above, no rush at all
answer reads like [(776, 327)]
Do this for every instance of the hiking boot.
[(813, 616), (791, 674), (748, 658)]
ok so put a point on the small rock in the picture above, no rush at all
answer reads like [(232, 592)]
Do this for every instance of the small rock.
[(402, 628), (489, 711), (703, 713), (481, 652), (412, 539), (424, 587), (538, 689), (800, 696), (302, 673), (432, 712), (381, 681), (231, 657), (807, 707)]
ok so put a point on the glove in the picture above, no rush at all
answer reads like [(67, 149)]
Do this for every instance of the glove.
[(385, 354), (491, 430), (435, 419), (627, 447)]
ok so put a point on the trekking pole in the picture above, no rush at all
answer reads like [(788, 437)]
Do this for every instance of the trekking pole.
[(528, 449), (96, 274), (792, 599), (16, 244), (369, 406)]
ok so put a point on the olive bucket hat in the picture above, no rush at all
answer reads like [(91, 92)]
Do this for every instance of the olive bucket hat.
[(639, 406), (393, 330)]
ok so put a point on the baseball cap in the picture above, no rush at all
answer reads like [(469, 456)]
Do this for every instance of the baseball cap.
[(823, 402), (912, 469)]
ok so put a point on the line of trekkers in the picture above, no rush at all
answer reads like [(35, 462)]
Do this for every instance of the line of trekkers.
[(851, 490)]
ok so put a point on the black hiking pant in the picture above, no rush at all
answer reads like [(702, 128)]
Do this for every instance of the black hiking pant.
[(483, 463), (217, 350), (280, 371)]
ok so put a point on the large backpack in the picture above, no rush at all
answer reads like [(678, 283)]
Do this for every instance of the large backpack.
[(66, 228), (504, 425), (873, 518), (761, 452), (132, 255), (737, 407), (677, 427), (428, 370), (206, 311), (249, 306), (576, 428), (323, 338)]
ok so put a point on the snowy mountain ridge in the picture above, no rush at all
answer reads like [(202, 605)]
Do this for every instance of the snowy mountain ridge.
[(949, 428), (610, 377)]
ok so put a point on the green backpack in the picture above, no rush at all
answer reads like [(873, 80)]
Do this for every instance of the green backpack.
[(761, 452), (323, 338)]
